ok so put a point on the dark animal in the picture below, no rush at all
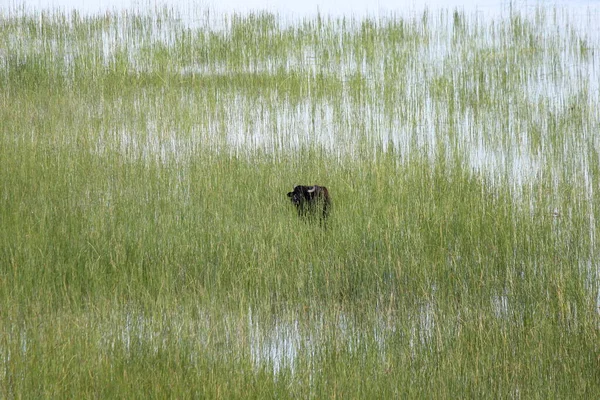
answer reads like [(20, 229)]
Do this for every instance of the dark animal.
[(311, 200)]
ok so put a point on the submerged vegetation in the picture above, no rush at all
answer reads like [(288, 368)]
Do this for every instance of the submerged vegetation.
[(148, 249)]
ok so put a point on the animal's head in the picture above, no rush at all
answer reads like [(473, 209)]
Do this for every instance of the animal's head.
[(311, 200), (301, 194)]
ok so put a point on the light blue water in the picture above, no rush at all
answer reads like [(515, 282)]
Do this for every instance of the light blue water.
[(299, 9)]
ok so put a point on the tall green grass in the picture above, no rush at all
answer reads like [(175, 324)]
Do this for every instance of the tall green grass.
[(147, 247)]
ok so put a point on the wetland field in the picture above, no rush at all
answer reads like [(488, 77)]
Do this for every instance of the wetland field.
[(148, 249)]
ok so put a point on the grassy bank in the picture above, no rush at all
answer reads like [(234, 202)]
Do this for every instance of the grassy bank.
[(147, 247)]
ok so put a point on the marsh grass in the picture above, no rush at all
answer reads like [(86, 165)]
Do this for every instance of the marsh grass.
[(148, 247)]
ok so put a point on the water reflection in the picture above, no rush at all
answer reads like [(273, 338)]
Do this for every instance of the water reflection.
[(294, 9)]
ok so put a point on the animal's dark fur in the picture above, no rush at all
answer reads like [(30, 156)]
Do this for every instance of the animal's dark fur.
[(311, 200)]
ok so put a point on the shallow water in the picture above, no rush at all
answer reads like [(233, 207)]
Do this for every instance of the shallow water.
[(295, 9)]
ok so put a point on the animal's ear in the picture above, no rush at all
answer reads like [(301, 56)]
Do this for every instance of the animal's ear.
[(290, 194)]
